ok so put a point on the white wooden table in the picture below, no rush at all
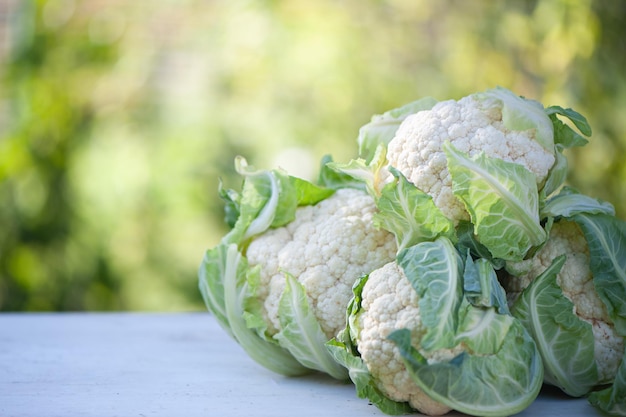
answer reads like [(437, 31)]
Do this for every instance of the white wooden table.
[(146, 364)]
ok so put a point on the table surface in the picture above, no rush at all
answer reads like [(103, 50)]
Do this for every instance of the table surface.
[(179, 364)]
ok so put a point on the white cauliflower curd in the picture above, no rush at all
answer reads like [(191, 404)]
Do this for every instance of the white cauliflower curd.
[(390, 303), (498, 123), (576, 281), (327, 247)]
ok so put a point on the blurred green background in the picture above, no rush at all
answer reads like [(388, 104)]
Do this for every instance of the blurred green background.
[(117, 118)]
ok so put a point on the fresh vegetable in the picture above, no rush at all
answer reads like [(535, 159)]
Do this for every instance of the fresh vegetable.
[(490, 157), (448, 267), (570, 296), (326, 248), (431, 331), (280, 281), (472, 126)]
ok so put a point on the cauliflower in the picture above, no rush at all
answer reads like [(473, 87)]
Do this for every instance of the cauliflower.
[(576, 282), (389, 303), (490, 159), (327, 247), (280, 280), (422, 336), (473, 124)]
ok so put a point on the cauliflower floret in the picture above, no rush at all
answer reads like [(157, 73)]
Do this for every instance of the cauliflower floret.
[(576, 282), (390, 303), (327, 247), (472, 126)]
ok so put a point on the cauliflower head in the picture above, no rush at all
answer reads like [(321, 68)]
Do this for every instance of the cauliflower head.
[(327, 247), (390, 303), (576, 282), (472, 125)]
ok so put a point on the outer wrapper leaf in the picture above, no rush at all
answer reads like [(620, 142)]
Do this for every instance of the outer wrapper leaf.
[(259, 204), (467, 240), (224, 268), (231, 199), (333, 179), (301, 333), (503, 373), (367, 173), (306, 194), (481, 286), (498, 384), (435, 271), (606, 238), (521, 114), (612, 400), (556, 176), (382, 128), (410, 214), (483, 330), (502, 200), (228, 285), (269, 199), (566, 343), (564, 137), (344, 351), (569, 202), (211, 284), (363, 380), (500, 372)]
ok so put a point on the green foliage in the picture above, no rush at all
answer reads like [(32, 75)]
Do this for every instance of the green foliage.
[(502, 200), (224, 270), (565, 341), (498, 352), (230, 287), (410, 214), (302, 334), (496, 369), (435, 271), (117, 120)]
